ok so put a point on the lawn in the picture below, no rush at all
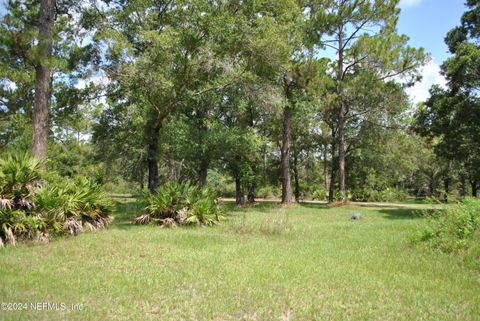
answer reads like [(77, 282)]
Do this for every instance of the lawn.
[(309, 262)]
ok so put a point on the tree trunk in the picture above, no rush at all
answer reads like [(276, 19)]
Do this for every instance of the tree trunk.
[(238, 191), (202, 173), (264, 165), (333, 173), (285, 158), (42, 80), (341, 153), (251, 193), (152, 157), (341, 119), (325, 166), (474, 188), (295, 176)]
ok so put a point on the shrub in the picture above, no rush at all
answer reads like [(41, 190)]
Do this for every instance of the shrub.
[(77, 203), (338, 196), (180, 204), (451, 228), (269, 191), (32, 207), (319, 194), (19, 181)]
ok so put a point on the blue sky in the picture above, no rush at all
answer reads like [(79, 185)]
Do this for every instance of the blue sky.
[(427, 22)]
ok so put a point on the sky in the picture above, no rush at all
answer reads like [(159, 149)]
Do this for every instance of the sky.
[(427, 22)]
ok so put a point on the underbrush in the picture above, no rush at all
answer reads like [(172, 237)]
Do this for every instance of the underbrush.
[(180, 204), (34, 205), (269, 191), (454, 230)]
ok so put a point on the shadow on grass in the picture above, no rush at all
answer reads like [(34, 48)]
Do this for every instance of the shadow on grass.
[(314, 205), (400, 214)]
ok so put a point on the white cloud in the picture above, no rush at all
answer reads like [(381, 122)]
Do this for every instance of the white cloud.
[(409, 3), (430, 76)]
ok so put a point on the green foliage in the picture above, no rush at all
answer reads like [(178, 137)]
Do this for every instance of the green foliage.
[(450, 118), (320, 194), (182, 204), (453, 228), (79, 203), (220, 184), (385, 195), (34, 204), (19, 176), (269, 191)]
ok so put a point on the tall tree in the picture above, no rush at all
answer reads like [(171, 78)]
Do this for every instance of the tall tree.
[(363, 35), (43, 79), (451, 117)]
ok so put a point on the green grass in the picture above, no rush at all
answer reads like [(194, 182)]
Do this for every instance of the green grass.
[(263, 263)]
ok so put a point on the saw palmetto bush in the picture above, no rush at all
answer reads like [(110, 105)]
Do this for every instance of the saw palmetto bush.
[(76, 204), (20, 177), (34, 205), (180, 204)]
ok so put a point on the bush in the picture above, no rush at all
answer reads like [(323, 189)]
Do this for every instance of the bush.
[(220, 184), (180, 204), (77, 203), (451, 228), (320, 194), (32, 207), (269, 191)]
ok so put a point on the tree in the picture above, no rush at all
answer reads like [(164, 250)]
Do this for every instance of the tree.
[(42, 79), (451, 117), (40, 66), (155, 66), (363, 35)]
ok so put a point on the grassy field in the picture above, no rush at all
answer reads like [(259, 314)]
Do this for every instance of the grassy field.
[(263, 263)]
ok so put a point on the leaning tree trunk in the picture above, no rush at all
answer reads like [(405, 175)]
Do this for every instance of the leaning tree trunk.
[(285, 158), (42, 80)]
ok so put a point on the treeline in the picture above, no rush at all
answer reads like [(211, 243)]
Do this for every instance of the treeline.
[(300, 98)]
